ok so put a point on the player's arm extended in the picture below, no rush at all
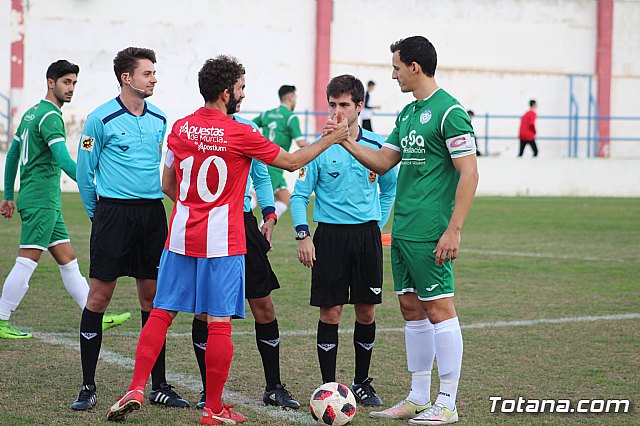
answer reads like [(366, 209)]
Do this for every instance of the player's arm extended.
[(64, 160), (379, 161), (449, 243), (293, 161), (169, 180)]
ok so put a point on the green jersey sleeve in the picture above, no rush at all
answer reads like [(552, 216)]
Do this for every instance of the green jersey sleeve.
[(52, 128), (63, 159), (258, 120), (294, 127), (11, 168)]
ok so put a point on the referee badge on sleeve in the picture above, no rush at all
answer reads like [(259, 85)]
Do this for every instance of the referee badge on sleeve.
[(302, 173), (86, 143)]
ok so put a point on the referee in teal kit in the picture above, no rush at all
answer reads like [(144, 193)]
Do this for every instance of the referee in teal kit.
[(346, 251), (120, 149)]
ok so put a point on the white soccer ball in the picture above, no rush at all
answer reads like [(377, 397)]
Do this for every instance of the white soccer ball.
[(332, 404)]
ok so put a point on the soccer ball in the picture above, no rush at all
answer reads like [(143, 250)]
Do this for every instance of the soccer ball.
[(332, 404)]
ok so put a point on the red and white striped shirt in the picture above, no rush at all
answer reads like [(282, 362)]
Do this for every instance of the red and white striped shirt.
[(212, 155)]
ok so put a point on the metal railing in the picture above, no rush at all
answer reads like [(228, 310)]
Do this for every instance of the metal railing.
[(482, 124), (7, 116)]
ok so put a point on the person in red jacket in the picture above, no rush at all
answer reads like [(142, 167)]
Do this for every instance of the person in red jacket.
[(528, 129)]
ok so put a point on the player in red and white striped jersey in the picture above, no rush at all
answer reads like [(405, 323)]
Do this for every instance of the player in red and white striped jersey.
[(202, 265)]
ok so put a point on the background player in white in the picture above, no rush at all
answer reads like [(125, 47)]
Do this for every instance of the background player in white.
[(39, 149)]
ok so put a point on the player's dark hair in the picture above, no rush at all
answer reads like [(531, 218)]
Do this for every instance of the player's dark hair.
[(61, 67), (419, 50), (371, 83), (470, 113), (532, 102), (285, 90), (218, 74), (346, 84), (126, 60)]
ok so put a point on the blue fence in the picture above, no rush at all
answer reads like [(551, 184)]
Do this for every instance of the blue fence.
[(587, 141), (577, 138)]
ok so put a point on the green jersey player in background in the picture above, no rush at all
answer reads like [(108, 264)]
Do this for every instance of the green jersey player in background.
[(434, 140), (281, 127), (39, 149)]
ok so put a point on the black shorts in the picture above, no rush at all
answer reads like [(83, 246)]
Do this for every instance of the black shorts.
[(259, 277), (127, 238), (348, 266)]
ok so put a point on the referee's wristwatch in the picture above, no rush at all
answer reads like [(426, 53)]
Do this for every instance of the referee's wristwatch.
[(302, 234)]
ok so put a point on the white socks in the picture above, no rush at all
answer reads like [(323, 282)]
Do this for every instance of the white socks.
[(74, 282), (16, 286), (421, 350), (448, 343), (280, 208)]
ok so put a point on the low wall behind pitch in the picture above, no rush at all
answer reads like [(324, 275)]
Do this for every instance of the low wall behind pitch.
[(524, 176)]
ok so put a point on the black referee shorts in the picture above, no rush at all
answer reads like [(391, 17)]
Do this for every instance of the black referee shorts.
[(260, 279), (348, 266), (127, 238)]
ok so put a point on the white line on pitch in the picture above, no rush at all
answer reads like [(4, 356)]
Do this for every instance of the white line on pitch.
[(549, 256), (183, 380), (475, 325)]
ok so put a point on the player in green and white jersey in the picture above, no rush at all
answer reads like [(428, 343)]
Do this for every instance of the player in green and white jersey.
[(39, 150), (281, 126), (434, 141)]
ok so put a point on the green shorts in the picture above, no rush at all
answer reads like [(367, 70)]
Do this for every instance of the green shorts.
[(42, 228), (277, 178), (415, 270)]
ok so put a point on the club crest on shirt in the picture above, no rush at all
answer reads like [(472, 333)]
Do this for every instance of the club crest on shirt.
[(372, 176), (302, 173), (86, 143), (425, 116)]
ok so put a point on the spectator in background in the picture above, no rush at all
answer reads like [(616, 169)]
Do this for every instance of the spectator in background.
[(528, 129), (367, 110), (471, 115)]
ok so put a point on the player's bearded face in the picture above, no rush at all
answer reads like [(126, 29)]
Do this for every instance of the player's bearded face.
[(236, 96), (63, 88)]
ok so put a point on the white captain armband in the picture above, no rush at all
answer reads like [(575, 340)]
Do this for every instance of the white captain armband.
[(461, 145)]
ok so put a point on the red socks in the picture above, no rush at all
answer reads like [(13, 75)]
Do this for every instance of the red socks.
[(150, 344), (218, 360)]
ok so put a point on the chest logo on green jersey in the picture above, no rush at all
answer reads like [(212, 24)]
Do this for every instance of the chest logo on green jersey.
[(413, 150), (29, 117), (425, 116)]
